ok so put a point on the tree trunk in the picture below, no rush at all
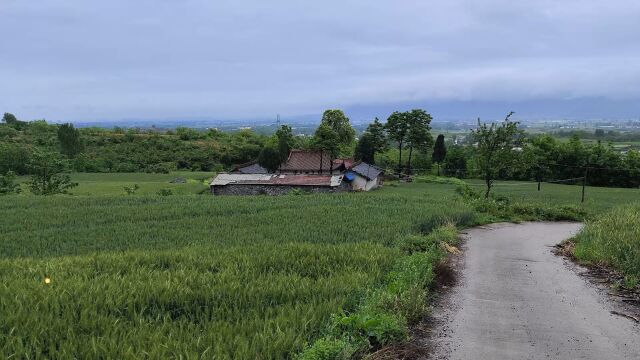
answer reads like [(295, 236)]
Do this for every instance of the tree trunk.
[(438, 169), (489, 183), (400, 158), (409, 162)]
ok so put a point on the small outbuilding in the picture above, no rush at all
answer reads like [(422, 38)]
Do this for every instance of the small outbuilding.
[(273, 184), (364, 177)]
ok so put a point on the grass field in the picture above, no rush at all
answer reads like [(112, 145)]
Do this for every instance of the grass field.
[(136, 276), (597, 199), (201, 276), (113, 183)]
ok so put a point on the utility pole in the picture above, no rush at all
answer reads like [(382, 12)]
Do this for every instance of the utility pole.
[(584, 181)]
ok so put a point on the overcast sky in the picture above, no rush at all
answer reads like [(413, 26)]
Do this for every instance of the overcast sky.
[(88, 60)]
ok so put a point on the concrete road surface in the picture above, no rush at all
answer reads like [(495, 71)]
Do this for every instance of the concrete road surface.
[(517, 300)]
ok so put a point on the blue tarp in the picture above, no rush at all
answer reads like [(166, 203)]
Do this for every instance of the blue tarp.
[(349, 176)]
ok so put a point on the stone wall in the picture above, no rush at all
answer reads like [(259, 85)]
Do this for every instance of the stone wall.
[(236, 189)]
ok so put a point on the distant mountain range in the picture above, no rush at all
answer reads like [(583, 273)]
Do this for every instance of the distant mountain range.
[(442, 111)]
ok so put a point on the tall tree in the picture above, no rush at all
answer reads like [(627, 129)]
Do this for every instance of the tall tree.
[(397, 127), (439, 151), (339, 123), (48, 174), (270, 157), (285, 142), (12, 121), (70, 142), (495, 146), (418, 134), (455, 163), (366, 149), (326, 140), (9, 119)]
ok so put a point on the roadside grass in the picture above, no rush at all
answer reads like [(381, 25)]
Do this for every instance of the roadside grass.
[(613, 239)]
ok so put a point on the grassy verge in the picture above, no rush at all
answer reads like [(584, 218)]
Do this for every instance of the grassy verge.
[(613, 240), (386, 312)]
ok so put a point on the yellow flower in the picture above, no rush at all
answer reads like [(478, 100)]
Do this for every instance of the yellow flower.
[(47, 280)]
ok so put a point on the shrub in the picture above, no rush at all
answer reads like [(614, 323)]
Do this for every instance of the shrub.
[(165, 192), (8, 185), (131, 190), (329, 349)]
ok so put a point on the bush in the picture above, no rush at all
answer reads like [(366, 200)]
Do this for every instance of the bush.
[(8, 185), (165, 192), (329, 349)]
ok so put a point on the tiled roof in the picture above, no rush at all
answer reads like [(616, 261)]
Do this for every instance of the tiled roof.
[(254, 168), (302, 160), (369, 171), (269, 179)]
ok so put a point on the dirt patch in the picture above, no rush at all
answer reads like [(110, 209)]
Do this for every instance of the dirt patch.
[(607, 280)]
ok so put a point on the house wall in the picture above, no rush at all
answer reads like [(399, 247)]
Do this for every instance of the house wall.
[(360, 183), (237, 189)]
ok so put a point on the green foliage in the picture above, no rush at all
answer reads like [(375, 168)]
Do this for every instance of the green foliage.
[(365, 148), (455, 163), (13, 122), (48, 177), (270, 157), (69, 138), (165, 192), (397, 127), (8, 185), (418, 135), (494, 151), (326, 139), (131, 190), (613, 239), (439, 151), (329, 349), (337, 121), (286, 142), (372, 141)]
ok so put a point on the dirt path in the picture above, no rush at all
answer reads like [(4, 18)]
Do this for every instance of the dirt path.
[(516, 300)]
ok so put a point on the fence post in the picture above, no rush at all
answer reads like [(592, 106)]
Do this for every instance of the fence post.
[(584, 182), (539, 176)]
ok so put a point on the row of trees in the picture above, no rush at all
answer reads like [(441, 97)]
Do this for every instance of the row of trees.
[(408, 131)]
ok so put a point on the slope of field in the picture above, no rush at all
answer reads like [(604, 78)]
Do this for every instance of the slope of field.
[(136, 276)]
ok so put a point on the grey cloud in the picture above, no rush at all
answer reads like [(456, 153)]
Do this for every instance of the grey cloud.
[(86, 60)]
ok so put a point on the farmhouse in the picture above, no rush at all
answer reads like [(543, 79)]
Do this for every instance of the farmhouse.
[(275, 184), (364, 177)]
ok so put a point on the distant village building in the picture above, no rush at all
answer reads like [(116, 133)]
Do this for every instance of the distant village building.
[(273, 184), (364, 177)]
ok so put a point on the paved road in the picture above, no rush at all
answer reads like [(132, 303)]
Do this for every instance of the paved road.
[(517, 300)]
